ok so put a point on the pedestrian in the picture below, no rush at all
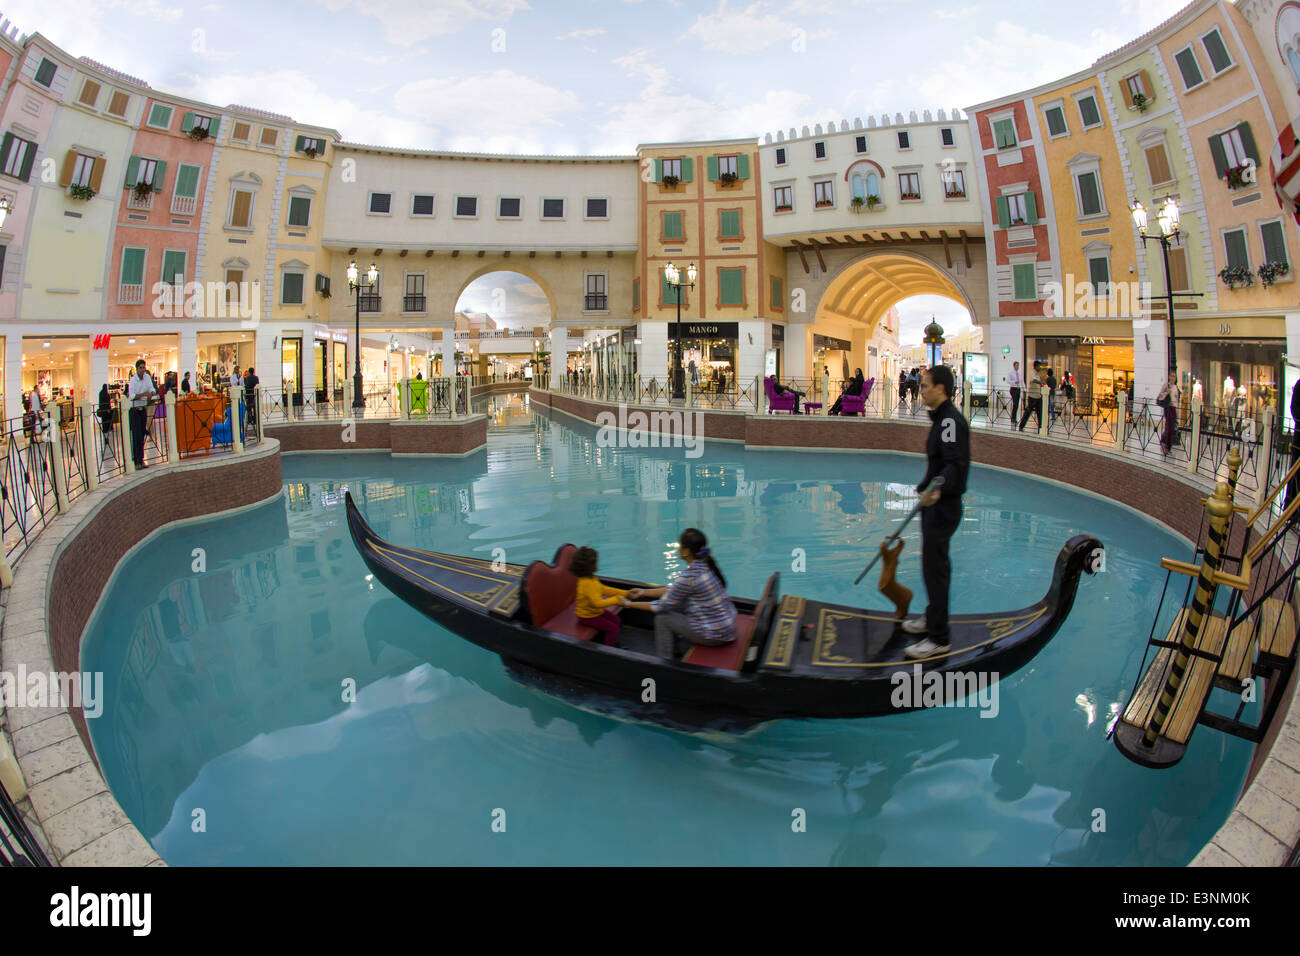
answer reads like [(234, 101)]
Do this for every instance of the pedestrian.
[(1015, 382), (236, 381), (1033, 400), (185, 384), (1168, 399), (947, 452), (106, 420), (251, 382), (139, 389), (1051, 393)]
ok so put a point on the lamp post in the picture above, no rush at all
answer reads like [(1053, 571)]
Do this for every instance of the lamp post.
[(1168, 220), (354, 286), (674, 277)]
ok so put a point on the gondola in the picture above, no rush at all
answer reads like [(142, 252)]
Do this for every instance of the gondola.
[(793, 656)]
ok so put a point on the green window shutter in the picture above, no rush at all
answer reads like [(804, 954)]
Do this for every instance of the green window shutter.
[(299, 211), (1031, 209), (731, 286), (291, 291), (159, 115), (730, 224), (45, 72), (742, 166), (1188, 66), (173, 270), (1099, 275), (26, 171), (1004, 133), (688, 169), (713, 169), (636, 294), (1220, 157), (1026, 288), (1274, 242), (1219, 59), (187, 123), (1004, 214), (132, 170), (299, 143), (213, 127), (159, 176), (132, 266), (1235, 246), (776, 294), (187, 181), (1088, 195), (672, 225), (659, 171), (1248, 141), (669, 293), (4, 149)]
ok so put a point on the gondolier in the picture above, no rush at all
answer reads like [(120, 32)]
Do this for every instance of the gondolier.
[(947, 452)]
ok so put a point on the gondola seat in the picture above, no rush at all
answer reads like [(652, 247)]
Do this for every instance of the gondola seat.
[(551, 593), (749, 627)]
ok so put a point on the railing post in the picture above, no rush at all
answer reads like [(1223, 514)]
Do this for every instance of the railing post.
[(288, 407), (124, 435), (88, 444), (690, 393), (1193, 452), (236, 422), (257, 407), (826, 392), (760, 395), (405, 410), (1263, 469), (965, 402), (454, 385), (1121, 415), (347, 398), (885, 390), (56, 459), (1043, 408), (173, 445)]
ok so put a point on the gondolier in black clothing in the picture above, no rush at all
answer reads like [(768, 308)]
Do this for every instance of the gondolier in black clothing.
[(947, 452)]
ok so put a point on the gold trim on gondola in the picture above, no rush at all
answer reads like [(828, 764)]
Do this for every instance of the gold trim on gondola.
[(478, 598), (825, 639), (791, 606), (780, 646)]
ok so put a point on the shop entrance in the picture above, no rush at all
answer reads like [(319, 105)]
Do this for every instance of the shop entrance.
[(1237, 376), (708, 354), (1100, 368), (320, 359)]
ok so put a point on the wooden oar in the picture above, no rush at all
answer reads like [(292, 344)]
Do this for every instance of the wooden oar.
[(934, 485)]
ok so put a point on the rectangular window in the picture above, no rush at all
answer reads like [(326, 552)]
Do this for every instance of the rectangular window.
[(82, 168), (234, 279), (946, 137), (673, 168), (422, 204), (309, 144), (1189, 68), (552, 208), (241, 132), (1089, 194), (381, 203), (173, 268), (1216, 51), (1004, 133), (270, 137), (467, 206), (89, 94), (823, 194), (597, 209), (782, 197), (668, 293), (16, 156), (596, 299), (777, 301), (1134, 86), (1179, 279), (954, 184), (819, 150), (1274, 242), (299, 211), (187, 181), (636, 294), (118, 103), (909, 185), (291, 289), (904, 140), (160, 117), (731, 287), (1056, 125), (1099, 276), (133, 266), (1088, 111), (1234, 150), (671, 226), (201, 122), (727, 166), (1017, 209), (729, 224), (1234, 245), (241, 209), (1025, 282), (509, 207), (1158, 167), (45, 72), (860, 144), (780, 156)]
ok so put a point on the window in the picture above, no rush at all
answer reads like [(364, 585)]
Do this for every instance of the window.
[(1088, 111), (1179, 279), (16, 157), (780, 155), (904, 140), (234, 280), (1099, 275), (291, 288), (636, 294), (729, 224), (727, 166), (909, 185), (1189, 67), (45, 72), (269, 137), (1056, 125), (309, 144), (370, 300), (670, 228), (186, 192), (596, 299), (673, 168), (82, 167), (173, 269), (552, 208), (422, 204), (782, 198), (381, 204), (860, 144), (89, 95), (1274, 242), (1158, 167), (819, 150), (823, 194), (241, 132), (1137, 85), (118, 103), (299, 211), (1088, 194), (731, 287), (195, 121), (413, 300), (954, 184), (467, 207), (597, 209), (777, 301), (141, 169), (131, 287), (946, 137), (1232, 147), (241, 209), (160, 117), (509, 207), (1004, 133), (1216, 51), (872, 187), (1024, 282), (1018, 209), (1234, 245)]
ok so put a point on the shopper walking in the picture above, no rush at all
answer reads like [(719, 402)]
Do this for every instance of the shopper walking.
[(1015, 382), (139, 389), (1033, 402)]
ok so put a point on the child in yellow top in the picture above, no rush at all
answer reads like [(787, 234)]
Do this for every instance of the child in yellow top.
[(596, 601)]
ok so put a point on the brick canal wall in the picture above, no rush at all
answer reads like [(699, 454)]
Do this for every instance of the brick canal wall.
[(447, 437)]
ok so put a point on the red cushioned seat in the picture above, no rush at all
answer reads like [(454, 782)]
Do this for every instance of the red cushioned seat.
[(724, 656), (550, 588), (566, 622)]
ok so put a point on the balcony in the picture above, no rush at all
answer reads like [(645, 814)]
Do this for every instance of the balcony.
[(595, 303), (138, 200), (411, 303), (184, 205), (130, 294), (369, 303)]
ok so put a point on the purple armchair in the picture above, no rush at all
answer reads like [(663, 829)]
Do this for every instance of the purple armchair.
[(775, 402)]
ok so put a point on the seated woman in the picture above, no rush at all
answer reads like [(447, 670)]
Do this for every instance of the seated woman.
[(854, 387), (787, 390), (695, 606)]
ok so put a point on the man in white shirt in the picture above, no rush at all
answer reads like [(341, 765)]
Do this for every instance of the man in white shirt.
[(1015, 382), (236, 381), (139, 389)]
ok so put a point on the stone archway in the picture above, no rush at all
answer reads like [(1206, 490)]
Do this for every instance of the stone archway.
[(867, 286)]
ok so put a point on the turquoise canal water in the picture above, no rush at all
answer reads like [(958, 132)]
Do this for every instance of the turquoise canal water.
[(224, 687)]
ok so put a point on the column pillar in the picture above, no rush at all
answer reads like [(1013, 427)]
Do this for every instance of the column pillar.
[(189, 357), (559, 355), (13, 375)]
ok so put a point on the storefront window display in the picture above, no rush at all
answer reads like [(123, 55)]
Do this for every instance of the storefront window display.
[(291, 369), (219, 352), (1239, 377), (711, 346), (1100, 367)]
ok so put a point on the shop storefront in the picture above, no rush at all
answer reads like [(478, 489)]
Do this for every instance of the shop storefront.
[(1100, 365), (291, 369), (833, 356), (772, 365), (219, 353), (711, 346), (1240, 376), (58, 366)]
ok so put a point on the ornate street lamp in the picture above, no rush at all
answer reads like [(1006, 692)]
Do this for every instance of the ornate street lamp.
[(674, 277), (354, 286), (1168, 223)]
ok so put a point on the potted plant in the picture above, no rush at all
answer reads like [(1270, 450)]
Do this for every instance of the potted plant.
[(142, 191), (955, 192), (784, 208), (198, 134), (1269, 272), (1235, 276), (728, 179), (671, 182), (1141, 102), (910, 196), (857, 202), (78, 191), (310, 152), (873, 202), (1238, 176)]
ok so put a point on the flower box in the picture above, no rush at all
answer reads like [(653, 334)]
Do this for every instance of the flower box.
[(77, 191), (910, 196), (1141, 102), (728, 179), (824, 204), (784, 208), (670, 182), (1240, 176), (1269, 272), (954, 194), (1233, 277), (198, 134), (142, 191)]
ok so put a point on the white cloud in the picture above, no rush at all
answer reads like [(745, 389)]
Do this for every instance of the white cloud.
[(954, 14), (406, 22), (914, 315), (581, 34), (740, 31), (503, 108)]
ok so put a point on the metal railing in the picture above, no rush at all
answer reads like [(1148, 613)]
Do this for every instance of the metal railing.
[(17, 845)]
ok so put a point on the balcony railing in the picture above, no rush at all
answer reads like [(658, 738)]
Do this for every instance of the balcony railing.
[(135, 200), (184, 205), (411, 303), (130, 294), (596, 303), (369, 303)]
